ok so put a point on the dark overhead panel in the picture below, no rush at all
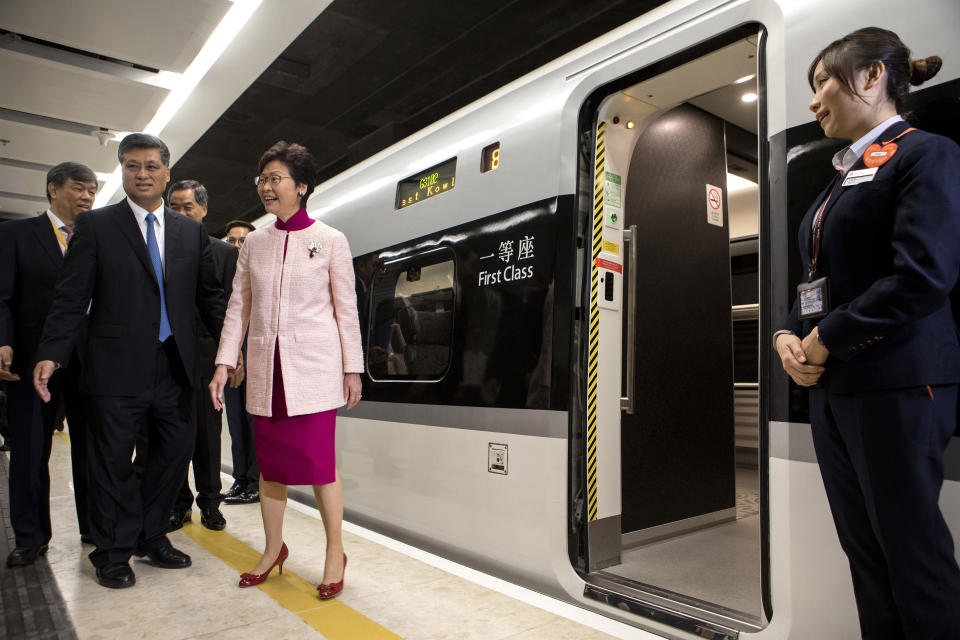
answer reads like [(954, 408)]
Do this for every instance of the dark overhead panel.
[(367, 74)]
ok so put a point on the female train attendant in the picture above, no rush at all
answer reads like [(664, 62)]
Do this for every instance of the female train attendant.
[(872, 325), (294, 288)]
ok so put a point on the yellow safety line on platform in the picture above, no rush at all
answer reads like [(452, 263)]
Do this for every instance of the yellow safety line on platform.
[(331, 618)]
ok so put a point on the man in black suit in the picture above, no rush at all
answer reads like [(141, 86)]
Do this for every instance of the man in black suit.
[(246, 473), (31, 253), (142, 269), (190, 198)]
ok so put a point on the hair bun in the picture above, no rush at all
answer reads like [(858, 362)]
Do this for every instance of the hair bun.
[(923, 69)]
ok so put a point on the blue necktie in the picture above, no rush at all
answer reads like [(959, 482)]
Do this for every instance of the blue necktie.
[(154, 250)]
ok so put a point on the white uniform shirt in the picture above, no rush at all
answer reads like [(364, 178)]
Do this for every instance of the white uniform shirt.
[(848, 156)]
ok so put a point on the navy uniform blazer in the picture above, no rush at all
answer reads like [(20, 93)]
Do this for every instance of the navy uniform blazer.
[(30, 258), (891, 248), (108, 264)]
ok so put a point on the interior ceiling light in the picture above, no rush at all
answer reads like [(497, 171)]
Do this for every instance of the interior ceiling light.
[(744, 79), (213, 48), (736, 183), (106, 136), (749, 97), (630, 124)]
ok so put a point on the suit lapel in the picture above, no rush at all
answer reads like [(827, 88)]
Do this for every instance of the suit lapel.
[(171, 237), (130, 228), (47, 239)]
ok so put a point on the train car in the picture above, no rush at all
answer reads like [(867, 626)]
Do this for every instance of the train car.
[(568, 291)]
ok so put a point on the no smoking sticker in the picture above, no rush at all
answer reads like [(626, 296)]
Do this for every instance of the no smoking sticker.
[(714, 205)]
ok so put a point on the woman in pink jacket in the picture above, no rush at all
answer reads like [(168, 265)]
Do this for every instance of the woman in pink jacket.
[(295, 290)]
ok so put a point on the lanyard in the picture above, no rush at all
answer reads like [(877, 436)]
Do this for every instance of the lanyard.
[(60, 238), (818, 232), (817, 226)]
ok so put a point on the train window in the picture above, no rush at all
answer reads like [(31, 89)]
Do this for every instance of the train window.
[(411, 321), (490, 157)]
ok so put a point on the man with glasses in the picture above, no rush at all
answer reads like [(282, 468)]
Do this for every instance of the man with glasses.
[(237, 232), (142, 269), (246, 473)]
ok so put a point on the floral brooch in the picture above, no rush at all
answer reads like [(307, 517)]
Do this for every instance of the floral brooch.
[(314, 248)]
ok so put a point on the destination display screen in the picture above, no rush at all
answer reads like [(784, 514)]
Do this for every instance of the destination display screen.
[(426, 184)]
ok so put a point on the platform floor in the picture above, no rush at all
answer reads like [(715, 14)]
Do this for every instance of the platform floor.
[(391, 591)]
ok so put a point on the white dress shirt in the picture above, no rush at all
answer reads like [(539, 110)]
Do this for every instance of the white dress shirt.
[(60, 225), (141, 215), (848, 156)]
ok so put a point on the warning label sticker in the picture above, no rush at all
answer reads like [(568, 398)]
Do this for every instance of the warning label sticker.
[(609, 266)]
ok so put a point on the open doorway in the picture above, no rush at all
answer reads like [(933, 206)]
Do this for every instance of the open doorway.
[(678, 157)]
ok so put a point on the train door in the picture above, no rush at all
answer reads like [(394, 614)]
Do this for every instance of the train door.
[(673, 528)]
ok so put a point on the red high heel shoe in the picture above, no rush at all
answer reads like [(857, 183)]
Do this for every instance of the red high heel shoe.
[(327, 591), (253, 579)]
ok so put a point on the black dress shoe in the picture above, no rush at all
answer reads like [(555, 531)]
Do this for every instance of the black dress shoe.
[(249, 496), (212, 519), (178, 518), (166, 557), (250, 493), (237, 488), (116, 575), (24, 556), (86, 538)]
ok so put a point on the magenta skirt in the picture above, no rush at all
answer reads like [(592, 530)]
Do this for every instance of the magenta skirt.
[(294, 449)]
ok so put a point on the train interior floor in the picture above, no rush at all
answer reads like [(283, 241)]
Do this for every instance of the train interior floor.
[(390, 592), (719, 564)]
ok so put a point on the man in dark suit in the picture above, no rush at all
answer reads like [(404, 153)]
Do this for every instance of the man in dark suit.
[(31, 253), (246, 473), (190, 198), (142, 269)]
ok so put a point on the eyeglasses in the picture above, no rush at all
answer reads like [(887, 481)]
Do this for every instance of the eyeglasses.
[(274, 180), (236, 241)]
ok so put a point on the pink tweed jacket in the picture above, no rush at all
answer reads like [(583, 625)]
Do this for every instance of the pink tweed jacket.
[(306, 304)]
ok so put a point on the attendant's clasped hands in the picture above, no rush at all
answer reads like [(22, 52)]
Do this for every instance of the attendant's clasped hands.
[(802, 359)]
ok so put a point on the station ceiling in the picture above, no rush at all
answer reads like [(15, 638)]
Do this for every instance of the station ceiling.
[(347, 78), (364, 75)]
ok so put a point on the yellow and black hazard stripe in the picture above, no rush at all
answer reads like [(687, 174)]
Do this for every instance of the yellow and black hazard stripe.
[(594, 342)]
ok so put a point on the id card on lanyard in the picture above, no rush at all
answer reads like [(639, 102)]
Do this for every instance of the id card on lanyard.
[(813, 296)]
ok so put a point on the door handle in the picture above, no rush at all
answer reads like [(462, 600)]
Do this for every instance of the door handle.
[(630, 243)]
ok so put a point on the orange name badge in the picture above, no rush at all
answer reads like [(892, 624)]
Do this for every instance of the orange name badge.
[(875, 155)]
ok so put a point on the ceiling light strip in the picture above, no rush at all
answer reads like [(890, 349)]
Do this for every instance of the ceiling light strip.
[(213, 48)]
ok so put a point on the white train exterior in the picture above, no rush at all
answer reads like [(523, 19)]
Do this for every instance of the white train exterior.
[(415, 459)]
